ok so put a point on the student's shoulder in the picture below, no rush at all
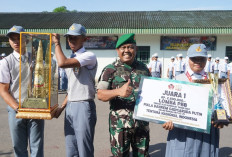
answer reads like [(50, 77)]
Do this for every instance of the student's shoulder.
[(89, 53), (5, 60)]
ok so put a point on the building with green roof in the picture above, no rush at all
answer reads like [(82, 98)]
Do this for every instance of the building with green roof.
[(167, 33)]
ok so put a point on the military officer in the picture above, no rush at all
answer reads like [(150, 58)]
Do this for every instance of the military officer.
[(119, 84)]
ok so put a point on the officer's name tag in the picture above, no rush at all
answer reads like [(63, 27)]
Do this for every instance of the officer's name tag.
[(188, 105)]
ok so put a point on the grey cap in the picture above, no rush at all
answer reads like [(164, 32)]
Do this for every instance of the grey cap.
[(76, 29), (226, 57), (197, 50), (15, 29), (217, 59), (172, 57)]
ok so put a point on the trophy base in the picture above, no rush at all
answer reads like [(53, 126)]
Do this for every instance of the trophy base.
[(220, 117), (37, 113), (39, 103)]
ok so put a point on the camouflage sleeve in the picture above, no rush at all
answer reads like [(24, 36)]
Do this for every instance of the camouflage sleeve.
[(147, 70), (106, 77)]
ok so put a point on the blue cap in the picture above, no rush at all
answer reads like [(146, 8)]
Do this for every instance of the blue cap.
[(76, 29), (15, 29), (197, 50)]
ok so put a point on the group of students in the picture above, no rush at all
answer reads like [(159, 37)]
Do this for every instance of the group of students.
[(118, 84), (175, 67), (178, 66)]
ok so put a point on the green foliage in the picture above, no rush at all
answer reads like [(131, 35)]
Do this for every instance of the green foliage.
[(62, 9)]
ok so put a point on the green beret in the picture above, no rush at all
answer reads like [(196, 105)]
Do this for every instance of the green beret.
[(126, 39)]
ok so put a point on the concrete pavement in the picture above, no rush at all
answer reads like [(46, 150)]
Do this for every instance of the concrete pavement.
[(54, 145)]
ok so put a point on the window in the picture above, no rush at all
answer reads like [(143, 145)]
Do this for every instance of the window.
[(229, 52), (143, 54)]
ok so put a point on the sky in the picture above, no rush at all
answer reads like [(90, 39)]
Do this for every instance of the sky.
[(113, 5)]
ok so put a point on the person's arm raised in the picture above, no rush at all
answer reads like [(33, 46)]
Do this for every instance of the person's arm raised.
[(62, 60)]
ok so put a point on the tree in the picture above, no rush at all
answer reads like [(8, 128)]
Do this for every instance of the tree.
[(61, 9)]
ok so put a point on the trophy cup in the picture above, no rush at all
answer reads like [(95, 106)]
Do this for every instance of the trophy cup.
[(219, 113), (40, 100)]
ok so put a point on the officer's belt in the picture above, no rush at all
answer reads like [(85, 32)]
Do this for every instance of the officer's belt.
[(117, 104)]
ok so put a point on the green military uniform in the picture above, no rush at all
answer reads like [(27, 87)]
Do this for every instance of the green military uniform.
[(124, 130)]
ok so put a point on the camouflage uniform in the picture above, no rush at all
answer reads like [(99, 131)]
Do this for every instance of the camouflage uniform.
[(124, 130)]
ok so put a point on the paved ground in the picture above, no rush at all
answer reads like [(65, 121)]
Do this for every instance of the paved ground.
[(54, 135)]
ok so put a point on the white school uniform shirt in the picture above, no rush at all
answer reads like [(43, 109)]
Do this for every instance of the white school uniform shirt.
[(155, 66), (209, 66), (230, 67), (171, 66), (223, 67), (180, 65), (216, 66), (86, 58), (4, 70)]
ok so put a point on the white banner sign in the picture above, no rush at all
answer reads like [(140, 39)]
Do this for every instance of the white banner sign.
[(187, 104)]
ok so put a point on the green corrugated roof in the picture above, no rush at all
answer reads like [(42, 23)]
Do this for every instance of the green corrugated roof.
[(139, 22)]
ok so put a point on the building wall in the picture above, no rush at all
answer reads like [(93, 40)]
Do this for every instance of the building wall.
[(106, 57)]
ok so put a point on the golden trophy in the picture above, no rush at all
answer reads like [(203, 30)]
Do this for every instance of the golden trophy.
[(39, 94), (219, 113)]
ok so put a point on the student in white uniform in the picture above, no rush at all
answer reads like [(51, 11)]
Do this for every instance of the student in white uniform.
[(152, 59), (24, 132), (209, 64), (171, 68), (180, 65), (216, 65), (223, 68), (80, 113), (155, 67), (189, 143), (230, 73)]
